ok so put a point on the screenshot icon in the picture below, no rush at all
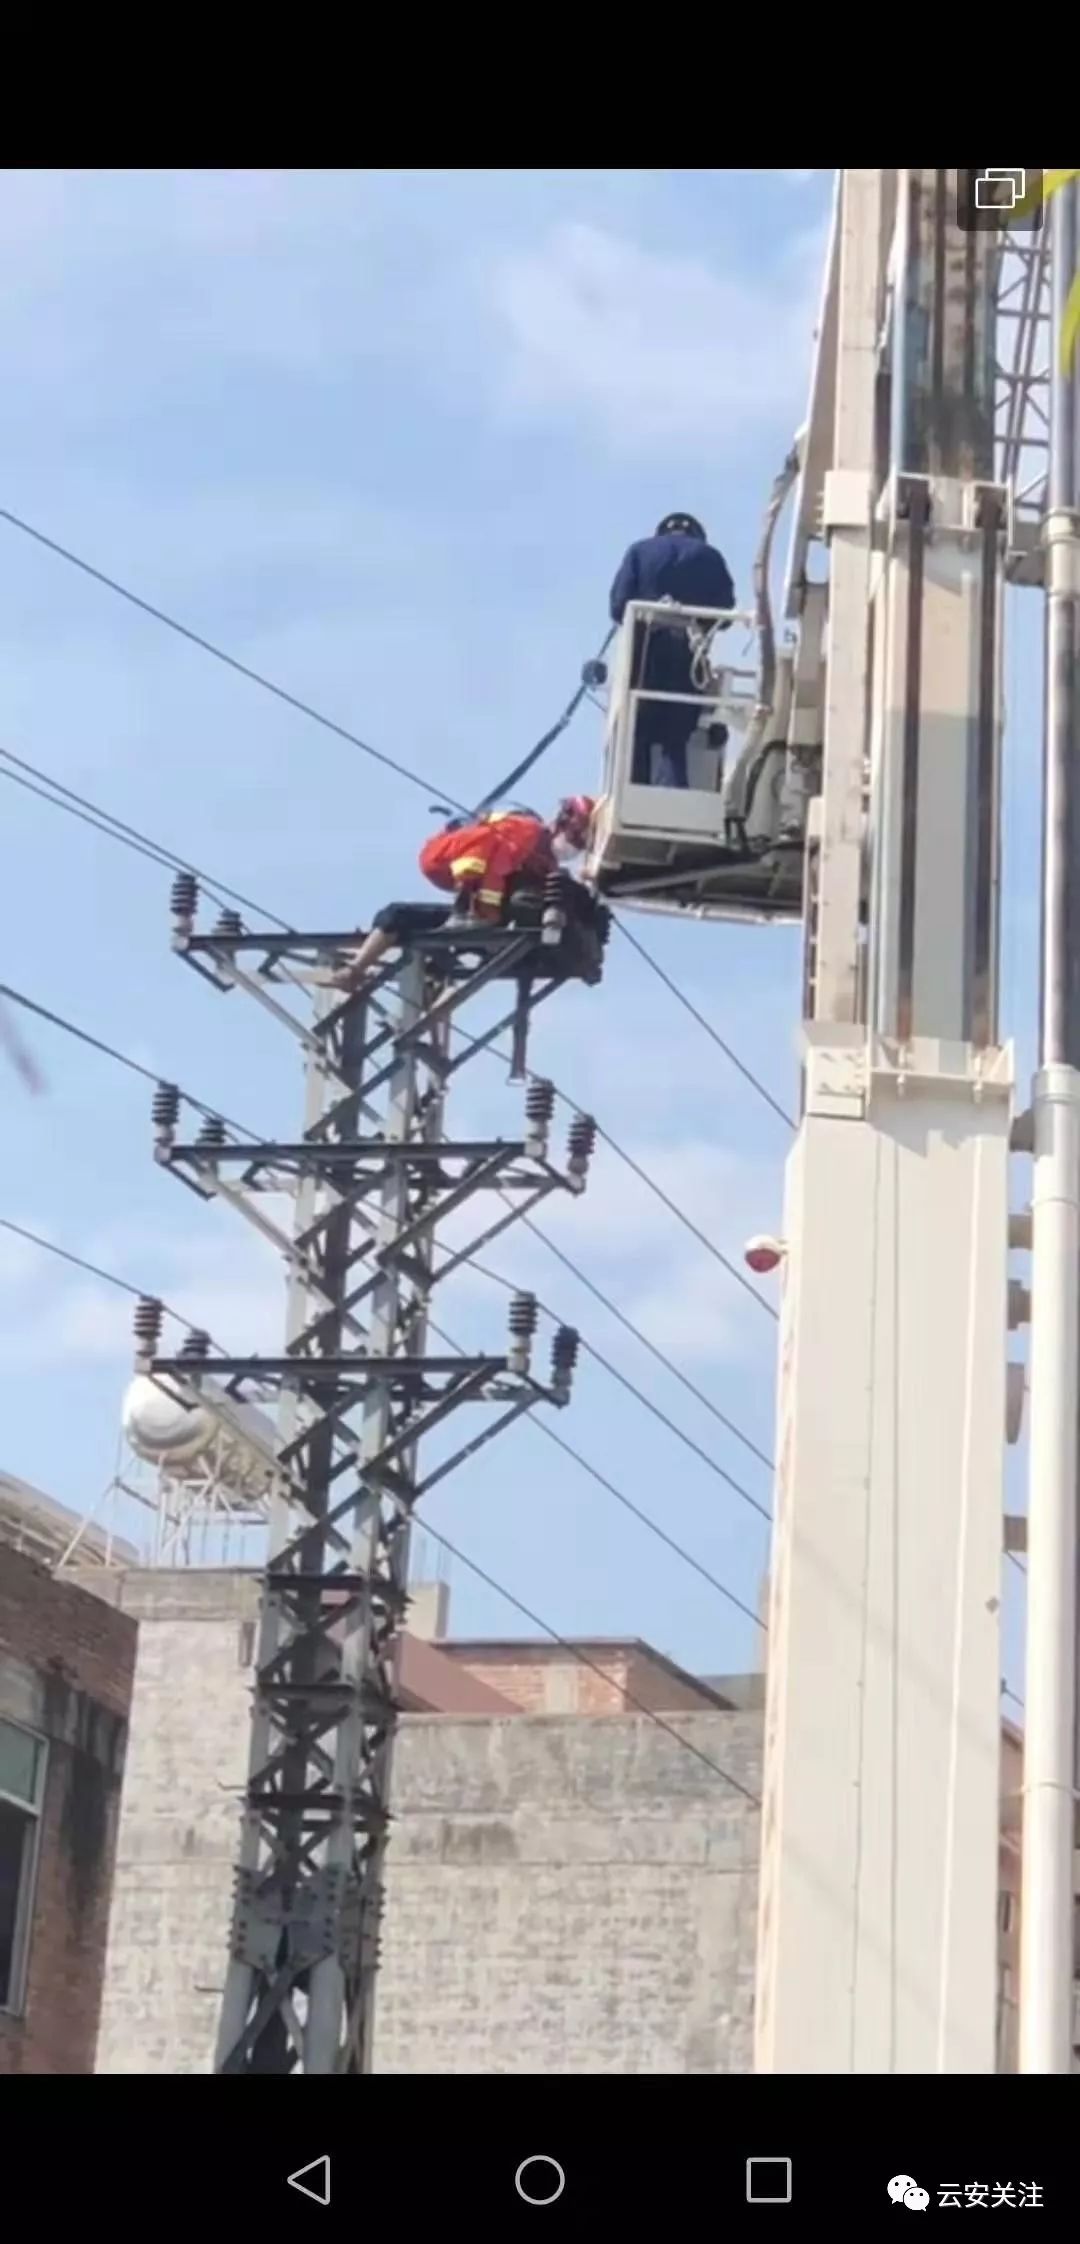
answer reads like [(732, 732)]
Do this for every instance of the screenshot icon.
[(1000, 196)]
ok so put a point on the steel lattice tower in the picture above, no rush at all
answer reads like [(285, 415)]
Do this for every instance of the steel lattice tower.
[(372, 1179)]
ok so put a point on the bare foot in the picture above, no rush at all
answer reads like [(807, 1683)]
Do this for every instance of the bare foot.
[(327, 977), (351, 976)]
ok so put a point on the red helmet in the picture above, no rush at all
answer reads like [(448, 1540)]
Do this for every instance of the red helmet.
[(573, 819)]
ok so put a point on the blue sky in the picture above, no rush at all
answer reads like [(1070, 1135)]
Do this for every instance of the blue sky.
[(385, 436)]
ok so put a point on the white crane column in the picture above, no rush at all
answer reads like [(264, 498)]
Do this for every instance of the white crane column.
[(879, 1870)]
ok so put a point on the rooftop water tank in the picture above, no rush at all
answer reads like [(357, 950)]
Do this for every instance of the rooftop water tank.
[(174, 1435)]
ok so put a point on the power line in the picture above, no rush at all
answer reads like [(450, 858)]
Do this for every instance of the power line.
[(123, 1285), (155, 855), (64, 797), (703, 1023), (96, 1043), (498, 1052), (142, 842), (220, 654), (79, 808), (582, 1461), (645, 1400), (415, 779), (583, 1660), (681, 1216), (117, 829), (621, 1497), (653, 1525), (149, 1075), (576, 1271), (159, 855), (123, 1059), (281, 693), (93, 1269)]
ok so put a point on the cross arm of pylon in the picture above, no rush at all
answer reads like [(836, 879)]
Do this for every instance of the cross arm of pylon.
[(537, 958), (424, 1389), (353, 1173)]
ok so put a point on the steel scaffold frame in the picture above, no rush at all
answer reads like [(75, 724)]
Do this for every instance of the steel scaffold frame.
[(1022, 379)]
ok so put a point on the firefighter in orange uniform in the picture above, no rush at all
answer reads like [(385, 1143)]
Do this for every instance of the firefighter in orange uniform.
[(480, 862)]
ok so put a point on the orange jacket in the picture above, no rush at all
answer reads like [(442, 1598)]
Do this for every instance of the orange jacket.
[(482, 859)]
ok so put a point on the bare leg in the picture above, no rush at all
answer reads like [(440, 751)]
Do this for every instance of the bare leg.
[(357, 965), (394, 925), (360, 962)]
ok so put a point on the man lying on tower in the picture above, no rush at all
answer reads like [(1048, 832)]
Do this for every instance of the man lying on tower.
[(487, 863)]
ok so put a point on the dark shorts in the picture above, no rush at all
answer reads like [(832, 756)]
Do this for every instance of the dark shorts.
[(404, 920), (525, 906), (578, 955)]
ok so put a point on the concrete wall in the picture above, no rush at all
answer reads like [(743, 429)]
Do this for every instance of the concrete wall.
[(567, 1895), (186, 1768), (65, 1672), (562, 1894)]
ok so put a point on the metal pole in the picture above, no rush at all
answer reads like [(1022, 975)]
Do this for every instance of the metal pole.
[(1061, 887), (274, 1626), (1046, 1947), (341, 2003), (374, 1176)]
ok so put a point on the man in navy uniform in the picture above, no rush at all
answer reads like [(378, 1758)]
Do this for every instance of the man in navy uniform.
[(677, 564)]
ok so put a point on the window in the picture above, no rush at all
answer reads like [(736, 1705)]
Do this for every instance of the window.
[(1006, 1912), (22, 1778)]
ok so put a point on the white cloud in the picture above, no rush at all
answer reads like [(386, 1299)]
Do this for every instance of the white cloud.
[(119, 284), (52, 1316), (55, 1326), (619, 1216), (655, 348), (240, 261), (632, 1247), (697, 1311), (18, 1259)]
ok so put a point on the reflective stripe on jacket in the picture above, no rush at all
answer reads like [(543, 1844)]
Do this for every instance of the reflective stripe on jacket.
[(487, 855)]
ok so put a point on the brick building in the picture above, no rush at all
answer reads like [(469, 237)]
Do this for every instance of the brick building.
[(568, 1889), (622, 1675), (565, 1890), (66, 1667)]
